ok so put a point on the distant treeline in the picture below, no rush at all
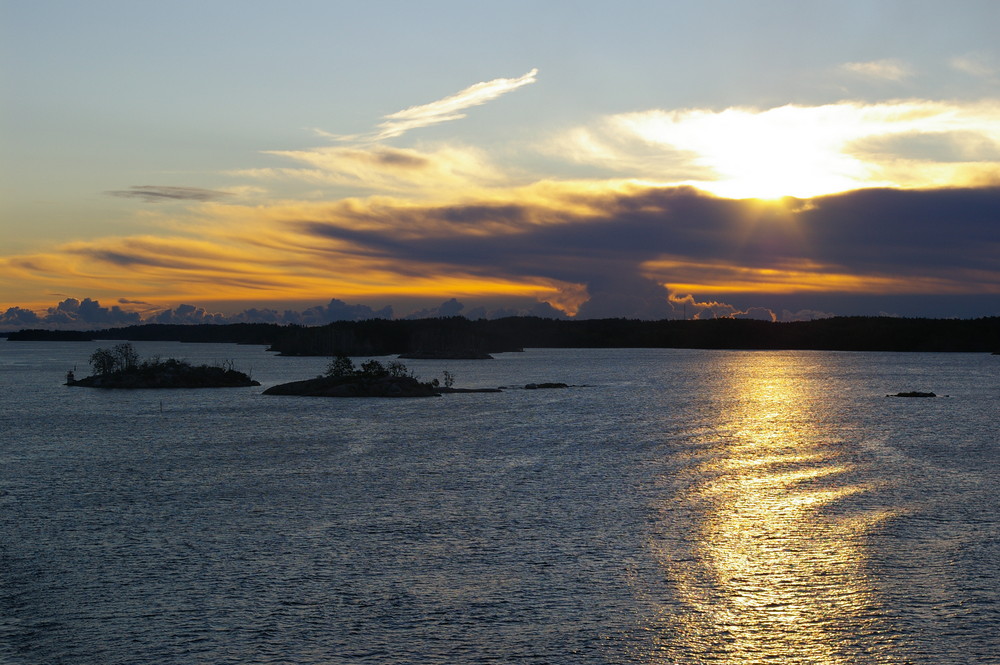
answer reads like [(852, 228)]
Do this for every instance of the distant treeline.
[(457, 334)]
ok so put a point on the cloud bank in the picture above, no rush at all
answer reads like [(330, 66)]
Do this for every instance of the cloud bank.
[(628, 250), (88, 314)]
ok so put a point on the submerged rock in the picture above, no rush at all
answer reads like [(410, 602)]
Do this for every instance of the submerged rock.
[(469, 390)]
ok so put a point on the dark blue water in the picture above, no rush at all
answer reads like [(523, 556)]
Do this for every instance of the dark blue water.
[(677, 507)]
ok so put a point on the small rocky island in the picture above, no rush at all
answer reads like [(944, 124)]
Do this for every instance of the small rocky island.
[(121, 368), (373, 379)]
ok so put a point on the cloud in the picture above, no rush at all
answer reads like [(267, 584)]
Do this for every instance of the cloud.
[(448, 308), (69, 313), (884, 70), (938, 147), (691, 308), (448, 108), (975, 64), (186, 314), (18, 317), (75, 314), (386, 169), (336, 310), (160, 193), (90, 312)]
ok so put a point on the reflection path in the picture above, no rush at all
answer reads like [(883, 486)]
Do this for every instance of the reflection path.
[(773, 568)]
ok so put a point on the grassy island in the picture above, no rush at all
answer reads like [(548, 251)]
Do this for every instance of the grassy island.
[(121, 368)]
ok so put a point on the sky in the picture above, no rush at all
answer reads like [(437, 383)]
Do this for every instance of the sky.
[(311, 161)]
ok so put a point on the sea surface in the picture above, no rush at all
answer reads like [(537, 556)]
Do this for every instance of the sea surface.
[(672, 506)]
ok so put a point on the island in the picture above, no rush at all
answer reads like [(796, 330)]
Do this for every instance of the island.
[(121, 368), (373, 379)]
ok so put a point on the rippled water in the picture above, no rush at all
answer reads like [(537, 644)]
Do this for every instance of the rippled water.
[(676, 507)]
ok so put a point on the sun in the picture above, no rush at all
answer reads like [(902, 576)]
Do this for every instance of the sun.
[(786, 151), (777, 162)]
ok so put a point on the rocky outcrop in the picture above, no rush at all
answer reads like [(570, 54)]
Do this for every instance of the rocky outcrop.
[(356, 386)]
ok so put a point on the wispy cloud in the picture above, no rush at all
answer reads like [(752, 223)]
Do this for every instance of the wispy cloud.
[(159, 193), (885, 70), (975, 65), (386, 169), (448, 108), (371, 165)]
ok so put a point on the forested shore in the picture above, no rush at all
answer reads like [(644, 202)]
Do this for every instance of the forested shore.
[(456, 335)]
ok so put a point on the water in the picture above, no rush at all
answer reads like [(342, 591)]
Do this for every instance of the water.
[(678, 507)]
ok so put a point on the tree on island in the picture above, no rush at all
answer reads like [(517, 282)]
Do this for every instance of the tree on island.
[(342, 366), (372, 379)]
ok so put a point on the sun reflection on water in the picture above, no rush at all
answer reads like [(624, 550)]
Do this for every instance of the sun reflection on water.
[(775, 567)]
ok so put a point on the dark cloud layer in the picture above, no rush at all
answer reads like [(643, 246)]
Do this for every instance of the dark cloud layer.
[(948, 235), (908, 232)]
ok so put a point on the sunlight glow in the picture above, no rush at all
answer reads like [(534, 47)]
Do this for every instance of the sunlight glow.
[(781, 152), (810, 151)]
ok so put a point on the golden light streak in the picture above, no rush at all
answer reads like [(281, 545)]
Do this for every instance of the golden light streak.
[(777, 569), (798, 277)]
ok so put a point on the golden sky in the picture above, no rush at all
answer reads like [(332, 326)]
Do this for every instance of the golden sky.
[(877, 180)]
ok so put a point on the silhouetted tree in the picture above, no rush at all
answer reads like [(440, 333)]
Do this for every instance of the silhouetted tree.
[(103, 361), (373, 368), (341, 366), (397, 369), (126, 357)]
